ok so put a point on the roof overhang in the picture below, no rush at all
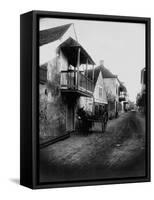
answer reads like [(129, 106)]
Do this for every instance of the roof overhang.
[(70, 49)]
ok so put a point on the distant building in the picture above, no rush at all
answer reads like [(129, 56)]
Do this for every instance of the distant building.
[(100, 96), (98, 102), (123, 97), (111, 84), (141, 97)]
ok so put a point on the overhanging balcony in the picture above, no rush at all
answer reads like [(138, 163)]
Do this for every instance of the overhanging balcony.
[(122, 98), (74, 82)]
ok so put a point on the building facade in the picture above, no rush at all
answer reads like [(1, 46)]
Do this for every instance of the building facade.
[(111, 84), (96, 104), (123, 97), (62, 82)]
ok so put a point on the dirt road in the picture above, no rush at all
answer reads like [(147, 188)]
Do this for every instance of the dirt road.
[(119, 152)]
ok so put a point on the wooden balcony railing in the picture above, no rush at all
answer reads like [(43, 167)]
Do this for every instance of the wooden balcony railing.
[(76, 81), (85, 83), (122, 97)]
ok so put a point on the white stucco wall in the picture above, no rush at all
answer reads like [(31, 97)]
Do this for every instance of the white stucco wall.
[(57, 63), (100, 84), (88, 103), (111, 86)]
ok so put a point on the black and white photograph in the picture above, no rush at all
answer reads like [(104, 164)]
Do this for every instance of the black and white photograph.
[(92, 100), (76, 100)]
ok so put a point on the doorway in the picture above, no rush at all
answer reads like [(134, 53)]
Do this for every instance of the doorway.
[(70, 113)]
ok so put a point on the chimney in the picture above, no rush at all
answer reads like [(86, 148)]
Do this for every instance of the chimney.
[(102, 62)]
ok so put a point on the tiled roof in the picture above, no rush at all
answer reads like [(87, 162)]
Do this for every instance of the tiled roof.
[(105, 72), (50, 35)]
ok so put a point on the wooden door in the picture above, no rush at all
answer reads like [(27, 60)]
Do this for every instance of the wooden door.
[(70, 117)]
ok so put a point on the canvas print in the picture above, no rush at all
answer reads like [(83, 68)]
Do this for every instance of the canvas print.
[(92, 105)]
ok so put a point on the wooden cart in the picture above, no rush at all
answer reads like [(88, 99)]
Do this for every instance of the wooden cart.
[(87, 121)]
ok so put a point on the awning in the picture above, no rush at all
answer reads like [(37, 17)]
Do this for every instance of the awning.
[(50, 35)]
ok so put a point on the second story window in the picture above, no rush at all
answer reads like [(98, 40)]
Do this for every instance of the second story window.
[(43, 74)]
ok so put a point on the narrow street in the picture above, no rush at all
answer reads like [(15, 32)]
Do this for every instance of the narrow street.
[(119, 152)]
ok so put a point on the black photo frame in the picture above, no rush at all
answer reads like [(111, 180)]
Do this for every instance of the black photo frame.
[(29, 99)]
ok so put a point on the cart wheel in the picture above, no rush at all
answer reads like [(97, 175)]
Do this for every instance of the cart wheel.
[(105, 126)]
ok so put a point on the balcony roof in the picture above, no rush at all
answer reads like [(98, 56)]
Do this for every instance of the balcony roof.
[(70, 49)]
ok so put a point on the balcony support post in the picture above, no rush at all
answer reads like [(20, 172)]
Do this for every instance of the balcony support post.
[(74, 78), (93, 77), (78, 65), (93, 74), (87, 74)]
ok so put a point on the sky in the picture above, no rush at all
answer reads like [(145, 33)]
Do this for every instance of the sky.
[(120, 45)]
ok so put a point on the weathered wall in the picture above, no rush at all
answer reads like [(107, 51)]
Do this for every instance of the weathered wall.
[(52, 105), (111, 109), (111, 87)]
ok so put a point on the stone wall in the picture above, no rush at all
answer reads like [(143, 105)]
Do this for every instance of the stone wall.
[(52, 104)]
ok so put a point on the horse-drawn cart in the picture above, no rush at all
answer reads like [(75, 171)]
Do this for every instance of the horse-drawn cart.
[(87, 121)]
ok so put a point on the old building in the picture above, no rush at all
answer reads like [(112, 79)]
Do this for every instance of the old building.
[(111, 84), (98, 102), (141, 97), (62, 80), (100, 97), (123, 97)]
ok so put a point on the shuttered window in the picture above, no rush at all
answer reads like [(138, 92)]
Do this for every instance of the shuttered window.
[(43, 74)]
